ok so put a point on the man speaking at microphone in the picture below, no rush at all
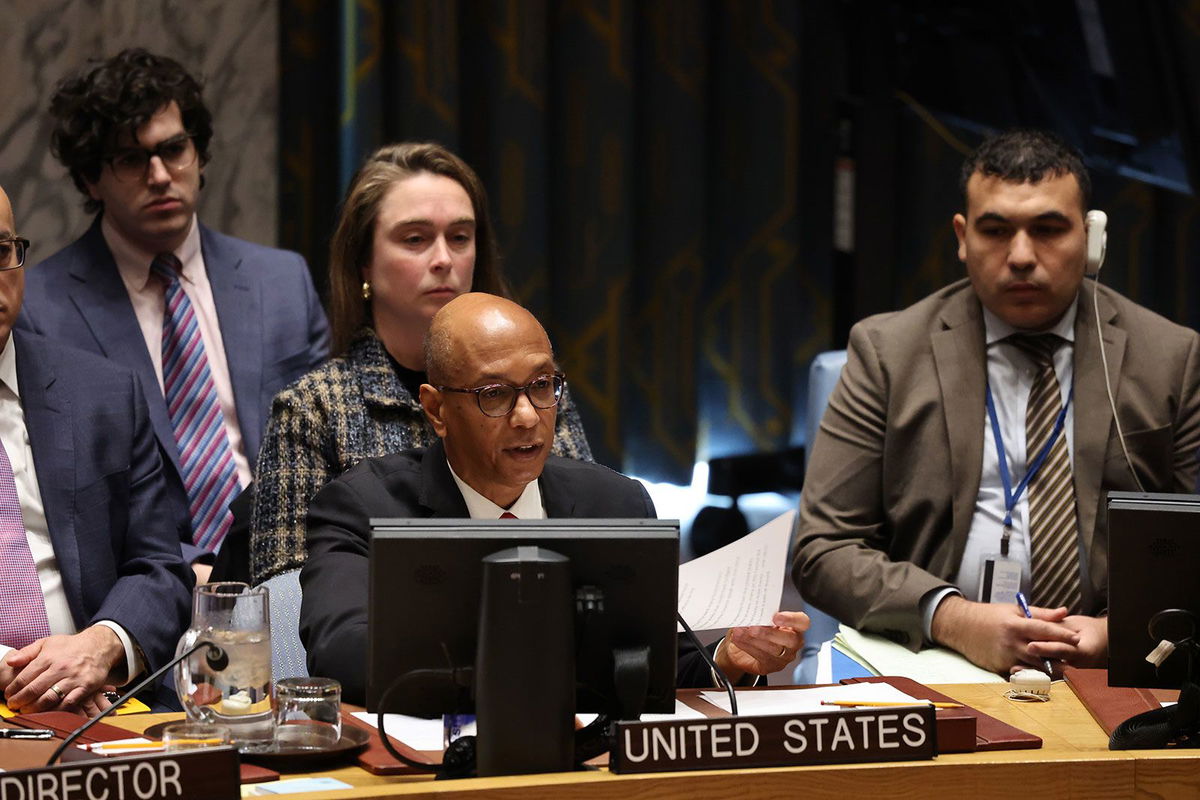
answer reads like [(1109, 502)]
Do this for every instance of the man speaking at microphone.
[(93, 586), (492, 398)]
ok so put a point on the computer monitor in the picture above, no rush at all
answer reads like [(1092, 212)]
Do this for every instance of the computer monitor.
[(1153, 565), (547, 614)]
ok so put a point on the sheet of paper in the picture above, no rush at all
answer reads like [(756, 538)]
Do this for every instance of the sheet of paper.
[(803, 701), (825, 663), (416, 732), (681, 712), (427, 734), (931, 665), (740, 584)]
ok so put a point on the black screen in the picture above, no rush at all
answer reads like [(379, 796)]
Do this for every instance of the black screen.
[(425, 585), (1153, 565)]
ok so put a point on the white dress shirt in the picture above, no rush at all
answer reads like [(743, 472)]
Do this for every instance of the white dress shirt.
[(15, 438), (527, 506), (1011, 373), (146, 295)]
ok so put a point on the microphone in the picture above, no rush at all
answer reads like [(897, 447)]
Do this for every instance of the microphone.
[(216, 658)]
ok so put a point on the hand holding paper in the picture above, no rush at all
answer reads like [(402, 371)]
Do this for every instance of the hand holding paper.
[(740, 584), (739, 587), (762, 649)]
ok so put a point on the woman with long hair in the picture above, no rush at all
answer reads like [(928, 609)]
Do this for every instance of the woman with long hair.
[(414, 233)]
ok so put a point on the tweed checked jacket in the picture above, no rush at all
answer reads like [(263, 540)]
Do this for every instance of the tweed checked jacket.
[(352, 407)]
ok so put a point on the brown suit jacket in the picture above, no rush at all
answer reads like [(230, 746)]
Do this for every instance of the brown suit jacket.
[(895, 468)]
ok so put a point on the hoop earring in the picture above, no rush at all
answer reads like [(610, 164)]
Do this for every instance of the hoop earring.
[(366, 290)]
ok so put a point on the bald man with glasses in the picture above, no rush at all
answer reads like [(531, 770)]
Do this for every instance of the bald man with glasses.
[(492, 399)]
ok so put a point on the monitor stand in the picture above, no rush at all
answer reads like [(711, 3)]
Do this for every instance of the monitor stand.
[(525, 664)]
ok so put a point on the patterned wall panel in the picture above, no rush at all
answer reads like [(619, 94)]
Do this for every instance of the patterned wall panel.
[(232, 46), (755, 307)]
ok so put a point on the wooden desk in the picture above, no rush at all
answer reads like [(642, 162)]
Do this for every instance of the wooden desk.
[(1074, 762)]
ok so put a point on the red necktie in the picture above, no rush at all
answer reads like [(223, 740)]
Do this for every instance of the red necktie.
[(508, 515)]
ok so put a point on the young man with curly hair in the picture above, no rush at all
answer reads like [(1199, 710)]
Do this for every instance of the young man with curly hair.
[(212, 325)]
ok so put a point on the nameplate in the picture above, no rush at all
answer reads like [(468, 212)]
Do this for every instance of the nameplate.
[(208, 774), (837, 737)]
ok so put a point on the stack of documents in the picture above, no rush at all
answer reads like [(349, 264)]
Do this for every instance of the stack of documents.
[(810, 701), (932, 665)]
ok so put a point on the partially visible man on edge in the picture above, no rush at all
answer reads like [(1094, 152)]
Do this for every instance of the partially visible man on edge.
[(93, 588), (212, 325), (493, 458), (904, 514)]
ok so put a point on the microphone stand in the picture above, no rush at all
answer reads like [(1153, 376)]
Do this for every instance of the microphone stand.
[(726, 684), (216, 658)]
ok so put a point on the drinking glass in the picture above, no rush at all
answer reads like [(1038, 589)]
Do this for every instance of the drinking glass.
[(237, 694), (194, 736), (308, 713)]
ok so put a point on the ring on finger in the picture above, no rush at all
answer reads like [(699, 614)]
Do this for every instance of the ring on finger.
[(782, 651), (61, 694)]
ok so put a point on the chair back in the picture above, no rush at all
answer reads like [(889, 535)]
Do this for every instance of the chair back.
[(288, 657), (822, 377)]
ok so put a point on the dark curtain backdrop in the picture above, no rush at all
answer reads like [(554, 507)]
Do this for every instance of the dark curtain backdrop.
[(643, 161), (662, 171)]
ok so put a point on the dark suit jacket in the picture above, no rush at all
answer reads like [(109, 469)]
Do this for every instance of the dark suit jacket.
[(895, 468), (271, 323), (414, 483), (111, 517)]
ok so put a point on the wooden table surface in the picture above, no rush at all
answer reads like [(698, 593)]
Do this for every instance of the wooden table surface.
[(1074, 762)]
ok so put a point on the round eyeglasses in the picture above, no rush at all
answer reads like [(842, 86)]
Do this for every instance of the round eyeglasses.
[(177, 154), (12, 252), (499, 399)]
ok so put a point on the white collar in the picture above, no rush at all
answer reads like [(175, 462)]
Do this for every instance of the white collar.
[(8, 365), (527, 506)]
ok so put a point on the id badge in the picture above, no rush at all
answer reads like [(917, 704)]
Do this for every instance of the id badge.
[(1001, 579)]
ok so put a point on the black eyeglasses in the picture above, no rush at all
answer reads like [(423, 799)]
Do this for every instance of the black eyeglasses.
[(498, 399), (177, 154), (12, 253)]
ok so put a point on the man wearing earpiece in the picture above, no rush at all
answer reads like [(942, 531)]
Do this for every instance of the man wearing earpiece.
[(967, 449)]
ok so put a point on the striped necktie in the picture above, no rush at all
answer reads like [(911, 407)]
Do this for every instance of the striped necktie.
[(1053, 528), (205, 457), (22, 604)]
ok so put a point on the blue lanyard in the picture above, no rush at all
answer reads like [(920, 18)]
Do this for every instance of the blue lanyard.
[(1011, 497)]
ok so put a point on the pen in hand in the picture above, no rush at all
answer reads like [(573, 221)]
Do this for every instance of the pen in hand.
[(1028, 615)]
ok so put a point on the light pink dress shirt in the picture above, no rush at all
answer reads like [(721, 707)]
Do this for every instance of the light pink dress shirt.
[(146, 294)]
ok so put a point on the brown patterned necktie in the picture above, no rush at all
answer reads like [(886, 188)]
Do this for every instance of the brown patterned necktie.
[(1053, 528)]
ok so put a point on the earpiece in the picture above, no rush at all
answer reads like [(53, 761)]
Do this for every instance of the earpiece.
[(1097, 239), (1097, 242)]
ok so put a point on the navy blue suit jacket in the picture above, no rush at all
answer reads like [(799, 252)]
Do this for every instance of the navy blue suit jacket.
[(112, 519), (272, 324)]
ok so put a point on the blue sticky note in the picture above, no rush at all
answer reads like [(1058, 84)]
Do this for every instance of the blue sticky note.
[(294, 785)]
